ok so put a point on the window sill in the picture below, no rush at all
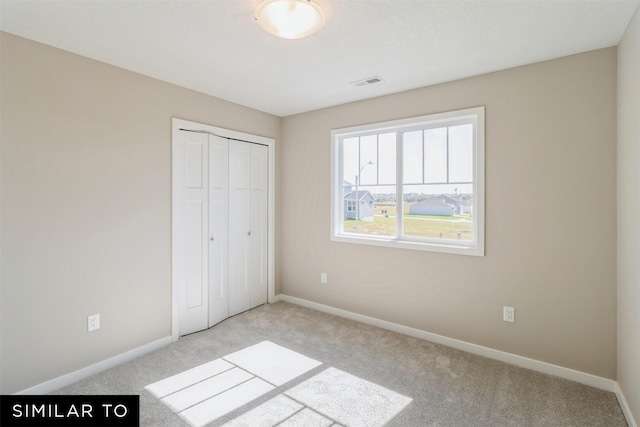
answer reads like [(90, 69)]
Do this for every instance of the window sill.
[(475, 250)]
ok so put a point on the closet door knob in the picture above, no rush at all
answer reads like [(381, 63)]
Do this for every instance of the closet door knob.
[(211, 238), (249, 233)]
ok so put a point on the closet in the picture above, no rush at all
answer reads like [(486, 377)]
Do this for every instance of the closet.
[(221, 227)]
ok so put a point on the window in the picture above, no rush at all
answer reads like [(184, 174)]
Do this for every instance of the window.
[(419, 183)]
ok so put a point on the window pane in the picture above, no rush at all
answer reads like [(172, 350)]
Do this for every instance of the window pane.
[(461, 153), (412, 147), (350, 156), (435, 155), (444, 216), (387, 158), (375, 215), (368, 208), (368, 154)]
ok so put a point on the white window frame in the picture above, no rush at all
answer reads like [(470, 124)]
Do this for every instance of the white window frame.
[(474, 247)]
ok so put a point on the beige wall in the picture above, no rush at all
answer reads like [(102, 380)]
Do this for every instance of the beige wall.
[(86, 206), (550, 218), (628, 214)]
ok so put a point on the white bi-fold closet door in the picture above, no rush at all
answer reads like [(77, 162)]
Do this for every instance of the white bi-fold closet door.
[(222, 228)]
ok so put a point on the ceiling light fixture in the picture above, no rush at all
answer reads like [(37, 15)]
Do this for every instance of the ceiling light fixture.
[(289, 19)]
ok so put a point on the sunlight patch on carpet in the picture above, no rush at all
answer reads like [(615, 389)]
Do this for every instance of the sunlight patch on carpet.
[(283, 412), (223, 403), (268, 414), (348, 399), (332, 398), (209, 391), (182, 380), (272, 363)]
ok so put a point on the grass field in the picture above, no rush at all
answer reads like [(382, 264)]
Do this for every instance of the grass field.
[(444, 227)]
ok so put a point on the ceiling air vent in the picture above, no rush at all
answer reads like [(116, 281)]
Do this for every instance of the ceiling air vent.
[(367, 81)]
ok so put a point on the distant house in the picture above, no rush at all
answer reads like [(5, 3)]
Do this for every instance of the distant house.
[(452, 199), (432, 207), (365, 211), (439, 205)]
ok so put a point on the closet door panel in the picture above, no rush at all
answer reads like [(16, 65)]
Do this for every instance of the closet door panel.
[(193, 224), (240, 232), (218, 229), (258, 273)]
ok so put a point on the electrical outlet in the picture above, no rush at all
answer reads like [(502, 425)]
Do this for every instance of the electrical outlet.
[(508, 314), (323, 277), (93, 322)]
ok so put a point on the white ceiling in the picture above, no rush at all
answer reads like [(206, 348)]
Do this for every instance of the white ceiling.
[(217, 48)]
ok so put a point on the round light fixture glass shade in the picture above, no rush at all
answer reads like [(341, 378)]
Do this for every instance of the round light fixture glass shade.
[(289, 19)]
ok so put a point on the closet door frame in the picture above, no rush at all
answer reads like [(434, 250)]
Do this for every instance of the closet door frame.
[(176, 126)]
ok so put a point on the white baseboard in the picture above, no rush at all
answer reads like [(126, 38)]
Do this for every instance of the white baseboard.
[(625, 407), (73, 377), (513, 359)]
